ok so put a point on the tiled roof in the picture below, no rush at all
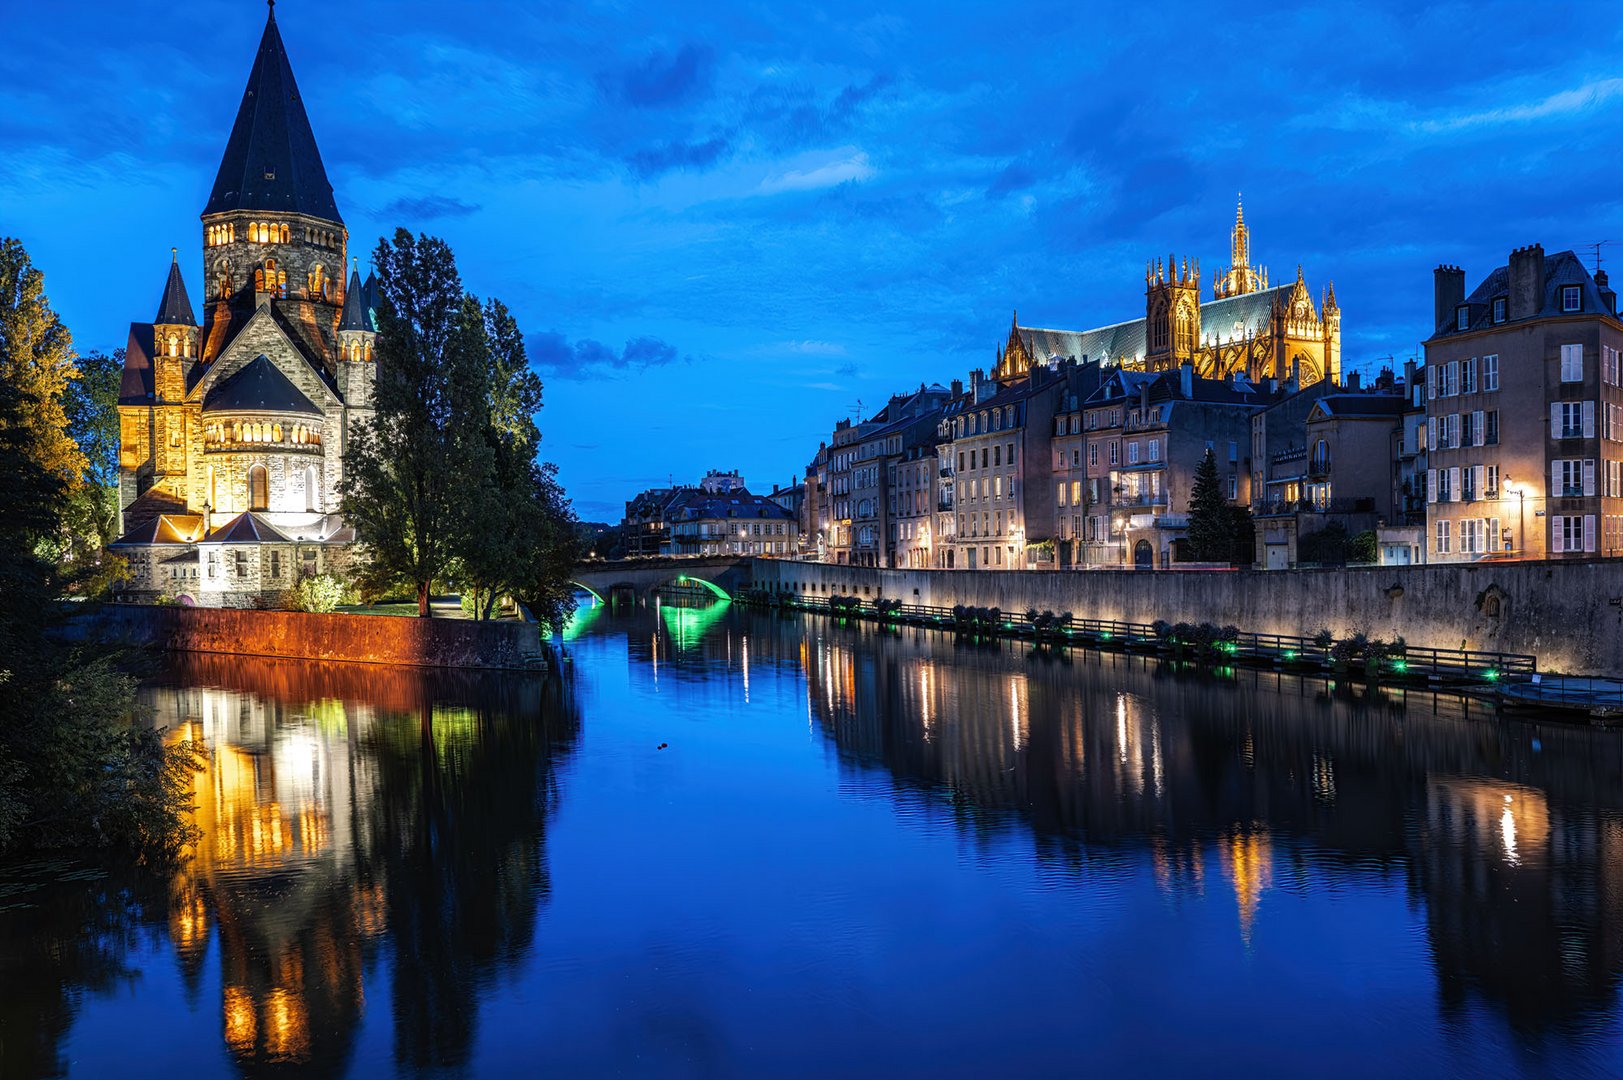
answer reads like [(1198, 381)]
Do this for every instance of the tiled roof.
[(163, 529), (271, 161), (135, 387), (259, 386), (246, 528), (1228, 318), (175, 308)]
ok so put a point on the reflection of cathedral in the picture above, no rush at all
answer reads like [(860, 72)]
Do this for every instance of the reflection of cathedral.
[(1247, 327)]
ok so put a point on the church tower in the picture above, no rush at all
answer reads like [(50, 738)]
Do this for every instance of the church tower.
[(357, 334), (1241, 277), (271, 229), (1172, 313), (174, 354)]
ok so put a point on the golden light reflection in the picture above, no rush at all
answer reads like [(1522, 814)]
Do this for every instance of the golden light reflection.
[(240, 1023), (1247, 859)]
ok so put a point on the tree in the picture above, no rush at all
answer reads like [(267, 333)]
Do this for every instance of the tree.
[(407, 469), (1211, 526), (37, 362), (91, 405)]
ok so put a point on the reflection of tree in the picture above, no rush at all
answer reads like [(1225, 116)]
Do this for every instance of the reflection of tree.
[(462, 799)]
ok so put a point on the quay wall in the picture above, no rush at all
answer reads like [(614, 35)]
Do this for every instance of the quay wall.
[(1567, 614), (355, 639)]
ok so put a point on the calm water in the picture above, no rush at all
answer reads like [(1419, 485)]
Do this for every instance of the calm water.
[(733, 844)]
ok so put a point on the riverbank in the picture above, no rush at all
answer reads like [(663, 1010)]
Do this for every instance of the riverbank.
[(338, 637), (1568, 614)]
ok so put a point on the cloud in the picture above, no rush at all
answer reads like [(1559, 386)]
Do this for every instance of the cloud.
[(556, 355), (1589, 96), (846, 371), (427, 208), (661, 78), (1015, 177), (852, 169), (662, 158)]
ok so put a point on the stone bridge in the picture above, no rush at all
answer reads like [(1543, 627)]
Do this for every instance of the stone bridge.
[(639, 579)]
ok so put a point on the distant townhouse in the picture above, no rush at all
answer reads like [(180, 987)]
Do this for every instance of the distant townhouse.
[(731, 521), (1145, 435), (1524, 421)]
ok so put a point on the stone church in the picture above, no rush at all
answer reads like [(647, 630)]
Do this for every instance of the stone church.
[(1246, 327), (232, 431)]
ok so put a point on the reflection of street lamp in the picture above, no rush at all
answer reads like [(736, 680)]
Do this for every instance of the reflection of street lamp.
[(1520, 491)]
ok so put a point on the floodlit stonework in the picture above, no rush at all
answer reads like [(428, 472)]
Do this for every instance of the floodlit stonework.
[(232, 432)]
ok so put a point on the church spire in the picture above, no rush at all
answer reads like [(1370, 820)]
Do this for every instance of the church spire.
[(271, 161), (175, 309), (355, 315), (1240, 248)]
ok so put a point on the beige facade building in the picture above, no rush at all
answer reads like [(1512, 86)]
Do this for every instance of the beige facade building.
[(1524, 424)]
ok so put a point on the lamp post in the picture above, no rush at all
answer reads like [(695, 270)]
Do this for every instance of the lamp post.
[(1520, 491)]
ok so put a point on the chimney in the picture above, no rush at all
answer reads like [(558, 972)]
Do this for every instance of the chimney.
[(1526, 282), (1607, 296), (1449, 289), (1186, 380), (1408, 375), (957, 388), (1355, 382)]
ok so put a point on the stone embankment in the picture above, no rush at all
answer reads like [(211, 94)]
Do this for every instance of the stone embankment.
[(354, 639), (1567, 614)]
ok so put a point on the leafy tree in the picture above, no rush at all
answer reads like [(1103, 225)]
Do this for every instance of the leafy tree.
[(37, 362), (407, 469), (1211, 525), (91, 517), (1324, 547)]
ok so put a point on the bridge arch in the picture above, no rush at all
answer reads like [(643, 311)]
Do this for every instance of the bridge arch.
[(587, 588), (694, 579)]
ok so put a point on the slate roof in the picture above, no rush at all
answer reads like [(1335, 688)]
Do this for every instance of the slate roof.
[(1228, 318), (246, 528), (175, 309), (1561, 268), (258, 387), (271, 161), (698, 504), (356, 316), (163, 529), (135, 384), (1360, 405)]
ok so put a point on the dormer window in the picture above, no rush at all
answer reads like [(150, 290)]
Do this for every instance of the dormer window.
[(1572, 298), (1500, 311), (1462, 317)]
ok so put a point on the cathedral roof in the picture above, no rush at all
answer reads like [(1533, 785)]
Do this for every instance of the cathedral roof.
[(355, 316), (271, 161), (259, 387), (1229, 318), (175, 309), (246, 528)]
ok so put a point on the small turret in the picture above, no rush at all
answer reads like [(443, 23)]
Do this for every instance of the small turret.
[(174, 336), (357, 335)]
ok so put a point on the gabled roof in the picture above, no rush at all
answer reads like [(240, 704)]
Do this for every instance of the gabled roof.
[(271, 161), (355, 315), (246, 528), (175, 309), (259, 386), (1359, 406), (163, 529)]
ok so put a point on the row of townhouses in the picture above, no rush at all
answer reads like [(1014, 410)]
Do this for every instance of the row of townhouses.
[(1080, 448)]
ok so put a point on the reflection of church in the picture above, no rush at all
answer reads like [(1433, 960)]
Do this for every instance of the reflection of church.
[(1247, 327)]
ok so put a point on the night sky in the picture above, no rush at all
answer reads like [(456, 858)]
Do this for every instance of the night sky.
[(724, 224)]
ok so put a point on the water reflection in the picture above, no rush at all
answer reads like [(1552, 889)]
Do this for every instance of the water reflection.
[(347, 815)]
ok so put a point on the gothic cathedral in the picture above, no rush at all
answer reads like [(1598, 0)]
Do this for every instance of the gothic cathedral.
[(232, 432)]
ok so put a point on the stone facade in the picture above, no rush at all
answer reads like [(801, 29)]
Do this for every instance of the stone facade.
[(232, 432)]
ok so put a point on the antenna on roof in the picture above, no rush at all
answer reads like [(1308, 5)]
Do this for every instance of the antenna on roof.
[(859, 409), (1597, 245)]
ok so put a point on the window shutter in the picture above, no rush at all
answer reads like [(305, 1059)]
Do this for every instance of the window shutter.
[(1454, 484), (1477, 472), (1431, 433), (1555, 419), (1589, 476), (1589, 419), (1493, 534), (1589, 532), (1431, 485), (1479, 432), (1431, 382), (1558, 538), (1555, 477)]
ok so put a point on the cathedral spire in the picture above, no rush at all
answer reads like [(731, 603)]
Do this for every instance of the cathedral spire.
[(355, 315), (175, 309), (1240, 247), (271, 161)]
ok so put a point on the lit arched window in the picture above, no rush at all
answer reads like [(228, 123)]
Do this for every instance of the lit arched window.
[(236, 431), (222, 277), (231, 232), (174, 345), (281, 283), (258, 488), (276, 433), (369, 350), (287, 234)]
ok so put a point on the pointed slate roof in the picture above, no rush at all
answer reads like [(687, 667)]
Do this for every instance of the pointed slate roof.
[(271, 161), (175, 309), (246, 528), (355, 316), (259, 387)]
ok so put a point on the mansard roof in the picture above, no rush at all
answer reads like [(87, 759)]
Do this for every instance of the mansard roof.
[(175, 309), (355, 316), (1561, 268), (271, 161), (259, 386)]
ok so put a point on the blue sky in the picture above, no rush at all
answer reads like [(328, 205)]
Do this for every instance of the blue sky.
[(722, 225)]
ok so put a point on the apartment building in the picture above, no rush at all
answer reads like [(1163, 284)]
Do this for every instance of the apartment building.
[(1524, 419)]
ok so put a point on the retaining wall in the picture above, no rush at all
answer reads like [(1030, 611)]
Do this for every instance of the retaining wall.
[(1568, 614), (356, 639)]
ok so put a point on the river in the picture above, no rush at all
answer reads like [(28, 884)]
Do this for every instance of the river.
[(730, 843)]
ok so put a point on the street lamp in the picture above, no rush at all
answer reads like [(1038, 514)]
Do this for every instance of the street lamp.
[(1511, 487)]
